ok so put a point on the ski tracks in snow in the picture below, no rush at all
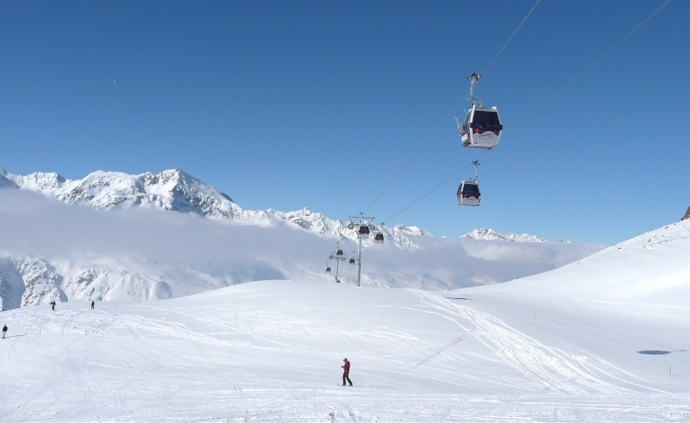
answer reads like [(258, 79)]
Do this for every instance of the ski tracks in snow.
[(549, 369)]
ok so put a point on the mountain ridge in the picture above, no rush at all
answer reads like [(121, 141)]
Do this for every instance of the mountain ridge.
[(176, 190)]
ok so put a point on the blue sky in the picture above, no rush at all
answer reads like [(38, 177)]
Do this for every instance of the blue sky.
[(292, 104)]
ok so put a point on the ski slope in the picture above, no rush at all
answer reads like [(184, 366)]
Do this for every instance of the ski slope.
[(535, 349), (271, 351)]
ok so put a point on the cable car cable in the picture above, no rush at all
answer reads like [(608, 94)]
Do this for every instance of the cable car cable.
[(451, 113), (510, 38), (419, 150), (436, 187), (572, 81), (542, 106)]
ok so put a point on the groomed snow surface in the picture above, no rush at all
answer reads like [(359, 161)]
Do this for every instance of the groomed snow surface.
[(536, 349)]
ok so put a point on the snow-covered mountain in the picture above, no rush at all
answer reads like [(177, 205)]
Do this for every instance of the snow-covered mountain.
[(490, 234), (169, 190), (178, 191), (51, 249)]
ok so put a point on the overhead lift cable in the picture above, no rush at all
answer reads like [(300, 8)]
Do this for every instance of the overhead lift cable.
[(563, 88), (585, 70), (451, 113), (436, 187), (419, 150), (510, 38)]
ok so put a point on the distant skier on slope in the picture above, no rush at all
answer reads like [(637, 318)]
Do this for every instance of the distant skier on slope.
[(346, 371), (4, 331), (93, 304), (52, 303)]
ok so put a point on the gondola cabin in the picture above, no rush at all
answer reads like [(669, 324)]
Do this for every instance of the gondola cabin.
[(482, 128), (339, 253), (468, 193), (378, 238), (328, 269), (352, 261), (364, 232)]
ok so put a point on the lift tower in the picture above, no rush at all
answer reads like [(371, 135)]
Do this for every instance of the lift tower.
[(364, 227), (338, 256)]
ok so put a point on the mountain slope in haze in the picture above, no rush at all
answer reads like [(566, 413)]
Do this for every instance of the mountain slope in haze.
[(51, 249)]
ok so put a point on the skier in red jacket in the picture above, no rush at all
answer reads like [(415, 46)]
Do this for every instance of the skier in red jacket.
[(346, 371)]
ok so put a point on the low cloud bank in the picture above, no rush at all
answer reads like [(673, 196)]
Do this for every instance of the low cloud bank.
[(191, 249)]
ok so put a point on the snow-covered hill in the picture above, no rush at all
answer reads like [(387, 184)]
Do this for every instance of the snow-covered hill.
[(582, 343), (662, 258)]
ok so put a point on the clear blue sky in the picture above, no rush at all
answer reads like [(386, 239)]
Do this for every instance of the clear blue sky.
[(319, 104)]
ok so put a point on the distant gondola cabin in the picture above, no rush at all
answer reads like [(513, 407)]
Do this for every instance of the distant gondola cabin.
[(468, 193)]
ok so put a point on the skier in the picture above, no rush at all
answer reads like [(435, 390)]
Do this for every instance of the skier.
[(92, 304), (346, 371), (52, 303), (4, 331)]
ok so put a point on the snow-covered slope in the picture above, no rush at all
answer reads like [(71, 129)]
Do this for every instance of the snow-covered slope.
[(662, 263), (271, 351), (605, 338)]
